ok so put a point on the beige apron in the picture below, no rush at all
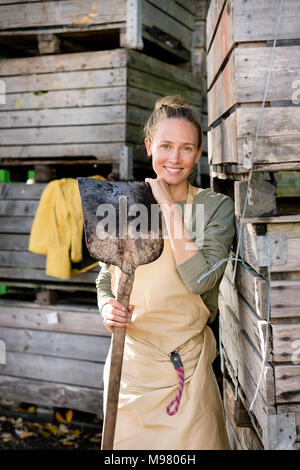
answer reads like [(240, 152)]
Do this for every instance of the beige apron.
[(167, 317)]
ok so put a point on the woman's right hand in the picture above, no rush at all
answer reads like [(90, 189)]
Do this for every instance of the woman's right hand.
[(114, 314)]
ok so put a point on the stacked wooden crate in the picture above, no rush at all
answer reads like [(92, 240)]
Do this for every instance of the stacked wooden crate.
[(80, 81), (259, 301)]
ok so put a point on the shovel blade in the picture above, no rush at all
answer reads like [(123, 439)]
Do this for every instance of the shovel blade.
[(122, 222)]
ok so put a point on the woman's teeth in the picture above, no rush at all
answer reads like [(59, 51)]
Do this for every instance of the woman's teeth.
[(173, 170)]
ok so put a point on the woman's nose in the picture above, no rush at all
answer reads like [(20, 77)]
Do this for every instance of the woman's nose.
[(174, 157)]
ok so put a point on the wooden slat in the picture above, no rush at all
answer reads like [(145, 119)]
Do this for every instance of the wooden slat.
[(148, 82), (287, 383), (64, 345), (19, 208), (176, 11), (278, 140), (250, 285), (286, 342), (34, 274), (65, 99), (246, 436), (21, 191), (63, 135), (255, 249), (54, 369), (152, 16), (158, 68), (71, 12), (15, 224), (243, 79), (189, 6), (212, 19), (13, 241), (60, 117), (22, 259), (66, 80), (285, 299), (106, 153), (71, 319), (52, 394)]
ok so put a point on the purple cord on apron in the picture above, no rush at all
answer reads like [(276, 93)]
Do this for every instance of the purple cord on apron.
[(176, 361)]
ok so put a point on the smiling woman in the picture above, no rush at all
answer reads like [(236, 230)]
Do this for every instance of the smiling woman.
[(169, 397)]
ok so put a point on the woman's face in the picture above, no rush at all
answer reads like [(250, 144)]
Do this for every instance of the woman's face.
[(174, 149)]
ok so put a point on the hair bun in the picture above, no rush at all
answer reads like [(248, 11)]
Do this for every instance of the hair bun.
[(174, 101)]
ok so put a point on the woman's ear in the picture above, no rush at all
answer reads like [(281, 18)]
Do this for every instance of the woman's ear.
[(198, 154), (148, 146)]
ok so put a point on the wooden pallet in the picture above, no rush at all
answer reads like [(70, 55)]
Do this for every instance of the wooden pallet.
[(72, 25), (86, 105)]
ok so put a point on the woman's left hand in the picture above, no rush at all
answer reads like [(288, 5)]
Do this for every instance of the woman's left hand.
[(160, 190)]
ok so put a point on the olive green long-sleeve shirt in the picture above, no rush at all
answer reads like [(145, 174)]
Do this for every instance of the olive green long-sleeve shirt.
[(213, 229)]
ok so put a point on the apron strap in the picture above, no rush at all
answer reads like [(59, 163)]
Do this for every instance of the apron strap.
[(188, 207)]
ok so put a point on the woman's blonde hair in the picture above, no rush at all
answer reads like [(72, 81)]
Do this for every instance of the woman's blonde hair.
[(172, 106)]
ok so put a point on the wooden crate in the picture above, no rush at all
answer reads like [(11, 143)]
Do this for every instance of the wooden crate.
[(243, 306), (43, 27), (18, 266), (86, 105), (239, 40), (53, 364)]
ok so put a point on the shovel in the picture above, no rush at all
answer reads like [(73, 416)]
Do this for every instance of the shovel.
[(114, 234)]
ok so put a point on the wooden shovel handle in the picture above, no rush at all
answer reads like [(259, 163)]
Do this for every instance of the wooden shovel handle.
[(116, 360)]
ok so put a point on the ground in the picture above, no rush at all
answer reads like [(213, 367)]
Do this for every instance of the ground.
[(22, 427)]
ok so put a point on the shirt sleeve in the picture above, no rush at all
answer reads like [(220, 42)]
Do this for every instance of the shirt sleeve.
[(103, 286), (213, 247)]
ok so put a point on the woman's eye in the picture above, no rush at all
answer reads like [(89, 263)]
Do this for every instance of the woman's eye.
[(165, 146), (187, 149)]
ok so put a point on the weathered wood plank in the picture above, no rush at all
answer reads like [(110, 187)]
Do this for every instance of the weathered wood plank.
[(285, 298), (65, 99), (256, 251), (13, 241), (21, 191), (212, 19), (34, 274), (287, 379), (72, 61), (71, 319), (16, 224), (246, 436), (64, 135), (65, 345), (152, 16), (243, 79), (106, 153), (189, 6), (251, 286), (175, 11), (91, 115), (286, 342), (19, 208), (158, 68), (54, 369), (66, 80), (73, 13), (52, 394)]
